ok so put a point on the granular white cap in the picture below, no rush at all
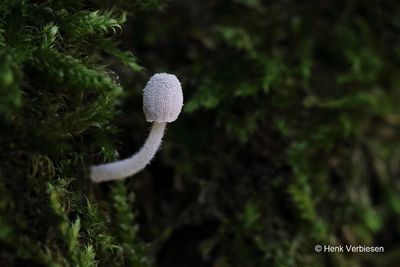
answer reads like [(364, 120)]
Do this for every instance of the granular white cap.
[(162, 98)]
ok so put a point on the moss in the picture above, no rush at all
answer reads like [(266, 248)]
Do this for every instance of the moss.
[(289, 136), (57, 104)]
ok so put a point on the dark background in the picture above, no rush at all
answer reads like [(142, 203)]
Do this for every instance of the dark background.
[(289, 136)]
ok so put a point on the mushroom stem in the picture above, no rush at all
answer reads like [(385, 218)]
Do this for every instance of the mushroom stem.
[(127, 167)]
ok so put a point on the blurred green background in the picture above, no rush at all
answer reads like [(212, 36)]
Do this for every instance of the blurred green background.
[(289, 136)]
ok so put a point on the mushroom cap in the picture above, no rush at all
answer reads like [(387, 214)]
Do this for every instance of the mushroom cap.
[(162, 98)]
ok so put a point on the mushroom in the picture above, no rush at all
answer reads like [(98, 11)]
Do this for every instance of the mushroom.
[(162, 103)]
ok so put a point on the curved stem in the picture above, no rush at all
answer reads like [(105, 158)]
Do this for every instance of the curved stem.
[(127, 167)]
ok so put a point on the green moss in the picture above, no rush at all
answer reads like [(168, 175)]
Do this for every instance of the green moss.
[(58, 99), (289, 136)]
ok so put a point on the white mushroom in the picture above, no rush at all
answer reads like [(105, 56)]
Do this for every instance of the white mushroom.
[(162, 103)]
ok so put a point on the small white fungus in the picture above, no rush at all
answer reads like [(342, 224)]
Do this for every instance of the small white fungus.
[(162, 98), (162, 103)]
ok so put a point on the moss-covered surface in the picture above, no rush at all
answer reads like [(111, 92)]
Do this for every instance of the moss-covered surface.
[(289, 138)]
